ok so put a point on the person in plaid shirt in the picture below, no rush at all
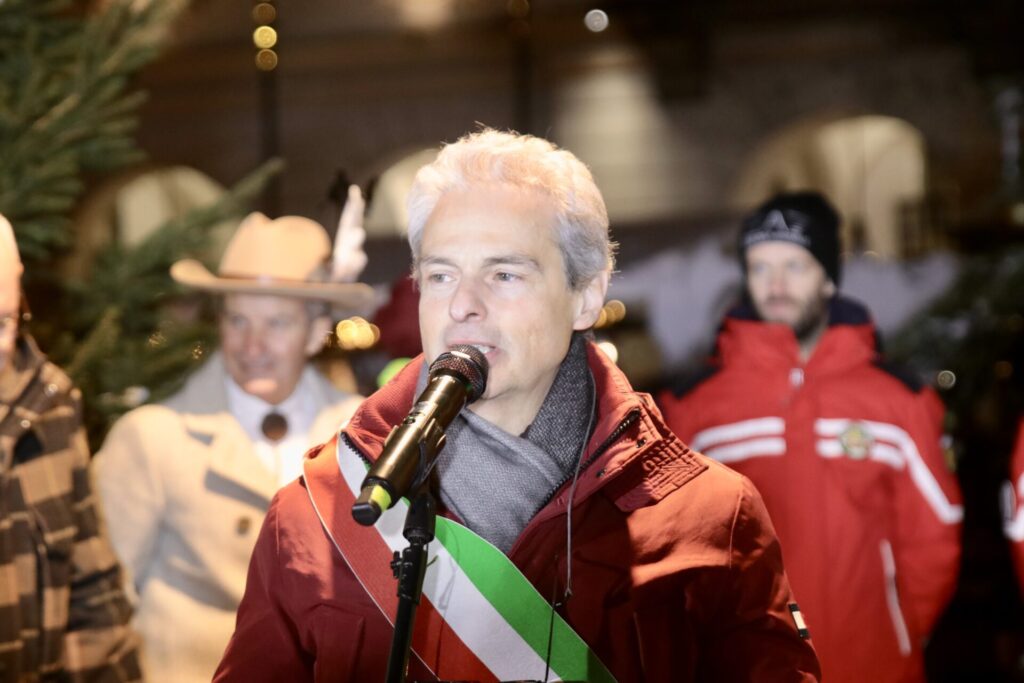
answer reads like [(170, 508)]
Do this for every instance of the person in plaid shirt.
[(63, 612)]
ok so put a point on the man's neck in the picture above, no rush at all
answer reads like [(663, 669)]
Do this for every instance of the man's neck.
[(809, 342), (512, 414)]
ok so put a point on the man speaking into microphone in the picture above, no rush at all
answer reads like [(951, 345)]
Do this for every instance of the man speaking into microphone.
[(577, 537)]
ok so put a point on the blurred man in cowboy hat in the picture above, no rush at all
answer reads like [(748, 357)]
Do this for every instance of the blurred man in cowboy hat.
[(186, 483), (63, 611)]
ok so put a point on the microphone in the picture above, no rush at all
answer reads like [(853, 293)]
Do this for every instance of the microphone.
[(457, 377)]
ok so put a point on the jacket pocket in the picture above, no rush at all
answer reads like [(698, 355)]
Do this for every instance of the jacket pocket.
[(339, 644)]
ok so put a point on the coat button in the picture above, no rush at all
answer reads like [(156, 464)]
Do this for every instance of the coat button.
[(243, 525), (25, 424), (50, 389)]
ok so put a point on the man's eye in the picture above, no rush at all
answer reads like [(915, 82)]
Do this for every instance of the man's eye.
[(438, 278), (503, 276)]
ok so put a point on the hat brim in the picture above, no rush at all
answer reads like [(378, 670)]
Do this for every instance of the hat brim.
[(356, 296)]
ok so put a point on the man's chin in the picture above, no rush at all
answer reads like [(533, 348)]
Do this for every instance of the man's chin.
[(787, 320), (263, 388)]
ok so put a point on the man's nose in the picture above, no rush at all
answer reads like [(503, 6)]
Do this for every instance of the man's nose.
[(777, 283), (254, 343), (467, 302)]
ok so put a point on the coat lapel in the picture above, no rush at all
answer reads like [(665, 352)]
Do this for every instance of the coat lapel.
[(203, 403), (231, 455)]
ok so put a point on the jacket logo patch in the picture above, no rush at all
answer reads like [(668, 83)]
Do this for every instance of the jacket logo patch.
[(856, 441), (798, 621)]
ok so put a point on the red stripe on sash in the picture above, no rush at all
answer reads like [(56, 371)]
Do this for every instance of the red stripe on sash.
[(369, 557)]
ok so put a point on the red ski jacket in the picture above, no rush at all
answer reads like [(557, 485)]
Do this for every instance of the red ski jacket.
[(677, 574), (847, 457), (1013, 507)]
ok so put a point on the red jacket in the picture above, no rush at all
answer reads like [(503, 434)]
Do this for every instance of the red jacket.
[(848, 459), (677, 573), (1013, 506)]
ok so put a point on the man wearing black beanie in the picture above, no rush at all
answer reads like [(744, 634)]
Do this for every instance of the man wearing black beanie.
[(843, 447), (789, 252)]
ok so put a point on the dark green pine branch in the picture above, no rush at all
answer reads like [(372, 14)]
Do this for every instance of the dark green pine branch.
[(66, 105)]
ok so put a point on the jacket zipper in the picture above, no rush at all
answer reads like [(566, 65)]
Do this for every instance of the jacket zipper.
[(631, 417), (351, 445)]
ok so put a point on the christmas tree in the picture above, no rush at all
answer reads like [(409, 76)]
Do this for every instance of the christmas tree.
[(68, 111), (66, 105), (970, 341)]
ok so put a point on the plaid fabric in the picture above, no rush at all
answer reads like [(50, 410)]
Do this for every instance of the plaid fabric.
[(63, 613)]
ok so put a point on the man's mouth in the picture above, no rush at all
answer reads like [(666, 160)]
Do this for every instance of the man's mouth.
[(485, 349)]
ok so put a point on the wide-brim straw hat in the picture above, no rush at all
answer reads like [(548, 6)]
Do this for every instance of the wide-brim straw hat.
[(289, 256)]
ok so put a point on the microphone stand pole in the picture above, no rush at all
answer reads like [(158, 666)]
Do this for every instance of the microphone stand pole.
[(409, 569)]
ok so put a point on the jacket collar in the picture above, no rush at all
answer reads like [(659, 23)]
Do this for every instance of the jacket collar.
[(205, 392), (31, 386), (745, 340), (203, 406), (629, 432), (25, 363)]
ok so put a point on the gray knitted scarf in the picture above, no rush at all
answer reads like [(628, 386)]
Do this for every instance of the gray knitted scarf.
[(495, 481)]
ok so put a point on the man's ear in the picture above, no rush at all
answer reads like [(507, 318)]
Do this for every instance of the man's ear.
[(589, 301), (318, 331)]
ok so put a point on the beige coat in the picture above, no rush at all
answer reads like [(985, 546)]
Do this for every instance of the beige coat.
[(185, 495)]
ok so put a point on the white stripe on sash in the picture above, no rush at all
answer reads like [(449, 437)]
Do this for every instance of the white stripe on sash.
[(469, 614)]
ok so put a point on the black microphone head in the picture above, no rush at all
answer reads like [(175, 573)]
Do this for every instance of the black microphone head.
[(466, 362)]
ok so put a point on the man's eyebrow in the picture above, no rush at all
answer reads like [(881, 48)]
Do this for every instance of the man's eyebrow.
[(512, 260), (489, 262), (433, 261)]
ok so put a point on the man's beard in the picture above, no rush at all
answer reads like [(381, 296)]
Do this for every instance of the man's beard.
[(812, 317), (811, 321)]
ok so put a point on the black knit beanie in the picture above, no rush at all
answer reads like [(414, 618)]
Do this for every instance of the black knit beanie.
[(803, 218)]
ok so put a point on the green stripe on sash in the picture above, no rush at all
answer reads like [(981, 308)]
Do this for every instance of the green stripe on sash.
[(519, 603)]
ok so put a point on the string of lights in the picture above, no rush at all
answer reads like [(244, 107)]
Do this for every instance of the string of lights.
[(264, 36)]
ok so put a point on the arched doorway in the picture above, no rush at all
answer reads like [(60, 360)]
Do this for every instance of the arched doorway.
[(872, 168)]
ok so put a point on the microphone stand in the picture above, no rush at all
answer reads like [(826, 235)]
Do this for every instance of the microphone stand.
[(409, 569)]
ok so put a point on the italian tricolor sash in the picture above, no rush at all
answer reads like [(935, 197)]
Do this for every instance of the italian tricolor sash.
[(479, 619)]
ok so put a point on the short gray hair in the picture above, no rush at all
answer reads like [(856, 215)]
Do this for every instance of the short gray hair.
[(526, 162)]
